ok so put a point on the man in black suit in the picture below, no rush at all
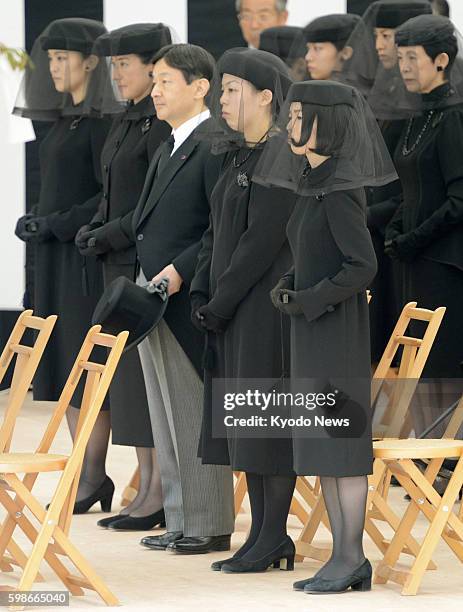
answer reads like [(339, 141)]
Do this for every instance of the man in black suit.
[(169, 221)]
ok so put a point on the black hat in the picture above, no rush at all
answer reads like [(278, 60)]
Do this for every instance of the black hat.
[(331, 28), (322, 93), (425, 30), (287, 42), (264, 70), (127, 306), (134, 38), (393, 13), (74, 34)]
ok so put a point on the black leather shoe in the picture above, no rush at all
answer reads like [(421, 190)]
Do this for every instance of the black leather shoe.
[(197, 545), (104, 495), (284, 552), (161, 542), (359, 580), (139, 523)]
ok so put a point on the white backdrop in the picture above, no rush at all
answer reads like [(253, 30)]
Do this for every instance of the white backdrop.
[(12, 169), (303, 11)]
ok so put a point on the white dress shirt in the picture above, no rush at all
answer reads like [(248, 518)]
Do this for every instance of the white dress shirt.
[(181, 133)]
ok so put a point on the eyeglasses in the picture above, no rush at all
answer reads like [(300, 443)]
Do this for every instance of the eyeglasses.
[(262, 17)]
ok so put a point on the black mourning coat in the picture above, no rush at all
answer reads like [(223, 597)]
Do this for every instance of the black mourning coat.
[(334, 262), (169, 221), (244, 254), (69, 196), (131, 143), (431, 215), (382, 202)]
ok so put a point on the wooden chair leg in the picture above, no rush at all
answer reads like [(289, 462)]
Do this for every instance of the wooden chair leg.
[(131, 490), (240, 490)]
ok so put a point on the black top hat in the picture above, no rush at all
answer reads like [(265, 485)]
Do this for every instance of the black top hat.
[(125, 305)]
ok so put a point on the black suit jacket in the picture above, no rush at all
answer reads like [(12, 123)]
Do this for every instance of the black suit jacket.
[(171, 216)]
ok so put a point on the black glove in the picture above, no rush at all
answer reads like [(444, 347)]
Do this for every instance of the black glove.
[(36, 229), (210, 321), (287, 282), (403, 247), (91, 240), (286, 302), (197, 300), (20, 229)]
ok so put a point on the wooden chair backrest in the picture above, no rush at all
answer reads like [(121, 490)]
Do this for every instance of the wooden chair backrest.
[(98, 377), (414, 356), (27, 361)]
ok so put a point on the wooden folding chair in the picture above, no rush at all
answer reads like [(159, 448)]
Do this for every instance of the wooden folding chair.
[(398, 456), (27, 361), (415, 352), (130, 491), (51, 538)]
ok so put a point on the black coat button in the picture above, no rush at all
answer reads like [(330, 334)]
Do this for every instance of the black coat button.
[(140, 237), (330, 308), (106, 167), (105, 195)]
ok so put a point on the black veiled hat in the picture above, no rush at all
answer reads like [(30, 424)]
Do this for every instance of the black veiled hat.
[(73, 34), (287, 42), (38, 97), (425, 30), (134, 38), (125, 305), (322, 93), (393, 13), (264, 70), (334, 28), (347, 134)]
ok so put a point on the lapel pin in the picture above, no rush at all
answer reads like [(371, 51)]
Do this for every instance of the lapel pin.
[(182, 157)]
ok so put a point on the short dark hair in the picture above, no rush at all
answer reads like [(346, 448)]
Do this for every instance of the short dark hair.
[(335, 127), (441, 7), (146, 57), (193, 61), (448, 45)]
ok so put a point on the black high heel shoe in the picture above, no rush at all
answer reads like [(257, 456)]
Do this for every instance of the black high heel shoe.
[(359, 580), (106, 522), (104, 495), (140, 523), (281, 557)]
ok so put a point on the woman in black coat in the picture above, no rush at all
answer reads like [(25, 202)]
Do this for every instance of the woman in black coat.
[(65, 86), (336, 149), (243, 254), (135, 135), (426, 233)]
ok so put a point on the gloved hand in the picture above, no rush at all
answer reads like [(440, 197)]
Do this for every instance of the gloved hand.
[(197, 300), (403, 247), (210, 321), (20, 229), (91, 240), (286, 282), (287, 304), (36, 229)]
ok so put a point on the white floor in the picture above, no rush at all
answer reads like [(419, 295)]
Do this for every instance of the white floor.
[(150, 580)]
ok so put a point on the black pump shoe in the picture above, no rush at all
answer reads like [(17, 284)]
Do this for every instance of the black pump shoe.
[(140, 523), (106, 522), (285, 553), (217, 565), (359, 580), (301, 584), (104, 495)]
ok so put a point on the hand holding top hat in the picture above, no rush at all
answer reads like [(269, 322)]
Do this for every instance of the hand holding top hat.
[(174, 279), (125, 305)]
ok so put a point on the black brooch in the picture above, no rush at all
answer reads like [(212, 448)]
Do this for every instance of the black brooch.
[(242, 180), (75, 123), (146, 125), (307, 170), (320, 197)]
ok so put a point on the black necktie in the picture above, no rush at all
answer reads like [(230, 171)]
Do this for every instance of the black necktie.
[(167, 148)]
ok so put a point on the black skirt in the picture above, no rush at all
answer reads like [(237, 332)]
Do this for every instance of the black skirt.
[(130, 419)]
